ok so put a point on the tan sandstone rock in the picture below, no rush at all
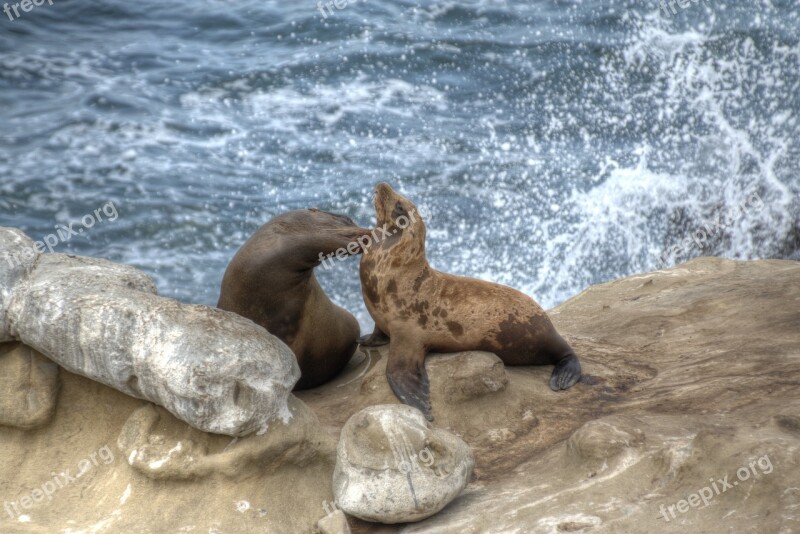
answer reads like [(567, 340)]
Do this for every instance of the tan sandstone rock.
[(691, 374), (28, 386), (274, 483), (691, 377)]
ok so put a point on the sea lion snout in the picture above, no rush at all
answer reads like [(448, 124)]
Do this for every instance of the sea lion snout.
[(333, 231), (383, 189), (382, 199), (352, 239)]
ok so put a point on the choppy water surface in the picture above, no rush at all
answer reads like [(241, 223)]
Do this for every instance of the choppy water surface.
[(557, 144)]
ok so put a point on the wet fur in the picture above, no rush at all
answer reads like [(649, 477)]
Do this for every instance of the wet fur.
[(421, 309)]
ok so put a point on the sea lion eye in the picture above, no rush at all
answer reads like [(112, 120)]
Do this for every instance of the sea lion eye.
[(399, 210)]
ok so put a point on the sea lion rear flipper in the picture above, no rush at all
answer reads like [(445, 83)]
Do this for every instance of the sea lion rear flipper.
[(376, 339), (407, 377), (566, 373)]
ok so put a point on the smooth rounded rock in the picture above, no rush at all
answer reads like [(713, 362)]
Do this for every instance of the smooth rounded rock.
[(393, 467), (464, 376), (599, 441)]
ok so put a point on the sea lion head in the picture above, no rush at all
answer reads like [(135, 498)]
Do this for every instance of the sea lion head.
[(321, 231), (399, 217)]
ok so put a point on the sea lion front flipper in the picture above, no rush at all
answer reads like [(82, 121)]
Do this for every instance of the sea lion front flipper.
[(407, 377), (376, 339)]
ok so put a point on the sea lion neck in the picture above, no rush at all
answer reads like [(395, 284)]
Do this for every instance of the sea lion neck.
[(296, 257), (403, 254), (279, 270)]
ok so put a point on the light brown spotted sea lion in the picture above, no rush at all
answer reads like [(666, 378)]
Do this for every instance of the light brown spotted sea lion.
[(271, 282), (422, 310)]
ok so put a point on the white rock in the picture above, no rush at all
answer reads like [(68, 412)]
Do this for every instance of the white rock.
[(393, 467), (215, 370), (17, 256)]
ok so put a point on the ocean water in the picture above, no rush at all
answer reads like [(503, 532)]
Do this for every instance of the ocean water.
[(556, 144)]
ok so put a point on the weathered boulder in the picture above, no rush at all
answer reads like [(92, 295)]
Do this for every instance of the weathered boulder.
[(393, 467), (469, 375), (17, 256), (28, 386), (213, 369)]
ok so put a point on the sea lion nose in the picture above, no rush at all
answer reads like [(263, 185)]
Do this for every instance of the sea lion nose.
[(383, 188)]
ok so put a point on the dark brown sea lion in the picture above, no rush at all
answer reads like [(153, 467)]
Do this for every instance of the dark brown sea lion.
[(422, 310), (271, 282)]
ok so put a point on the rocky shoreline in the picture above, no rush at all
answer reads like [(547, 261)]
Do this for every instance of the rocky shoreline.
[(692, 378)]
